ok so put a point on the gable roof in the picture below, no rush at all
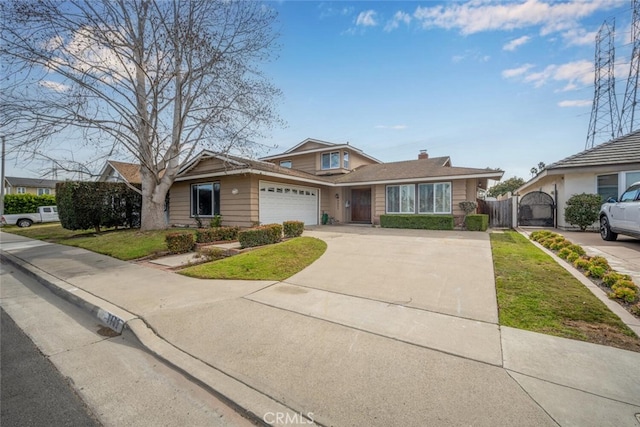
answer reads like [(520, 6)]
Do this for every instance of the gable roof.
[(129, 172), (430, 169), (15, 181), (234, 165), (622, 150), (327, 146)]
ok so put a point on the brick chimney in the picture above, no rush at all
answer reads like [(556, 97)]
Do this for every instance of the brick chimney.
[(423, 154)]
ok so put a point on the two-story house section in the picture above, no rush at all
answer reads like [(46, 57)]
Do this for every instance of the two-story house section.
[(315, 178)]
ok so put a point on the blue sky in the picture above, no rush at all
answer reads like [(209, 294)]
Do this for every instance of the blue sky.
[(490, 84)]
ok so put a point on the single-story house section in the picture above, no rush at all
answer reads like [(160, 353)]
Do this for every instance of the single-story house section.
[(317, 177), (17, 185), (607, 169)]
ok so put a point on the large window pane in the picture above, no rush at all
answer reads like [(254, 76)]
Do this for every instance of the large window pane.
[(443, 198), (345, 159), (631, 178), (608, 186), (425, 198), (434, 198), (205, 199), (393, 199), (335, 160), (407, 194)]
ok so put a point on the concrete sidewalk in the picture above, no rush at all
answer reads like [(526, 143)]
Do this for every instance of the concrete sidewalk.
[(316, 349)]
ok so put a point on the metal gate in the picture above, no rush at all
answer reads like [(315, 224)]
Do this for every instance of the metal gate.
[(536, 209), (499, 211)]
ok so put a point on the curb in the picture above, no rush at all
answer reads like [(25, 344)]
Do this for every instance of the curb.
[(626, 317), (241, 397)]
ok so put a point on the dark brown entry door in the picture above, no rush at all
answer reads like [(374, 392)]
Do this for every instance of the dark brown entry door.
[(361, 205)]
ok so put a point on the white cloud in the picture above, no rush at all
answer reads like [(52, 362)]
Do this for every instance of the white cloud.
[(367, 19), (576, 74), (393, 127), (57, 87), (579, 37), (477, 16), (399, 17), (516, 43), (515, 72), (576, 103)]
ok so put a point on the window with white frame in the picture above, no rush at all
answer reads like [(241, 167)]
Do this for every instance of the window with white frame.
[(21, 190), (43, 191), (331, 160), (345, 160), (205, 199), (607, 186), (286, 164), (401, 199), (631, 178), (434, 198)]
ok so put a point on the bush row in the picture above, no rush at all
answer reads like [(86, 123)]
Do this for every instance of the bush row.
[(427, 222), (217, 234), (620, 285), (181, 242), (26, 203)]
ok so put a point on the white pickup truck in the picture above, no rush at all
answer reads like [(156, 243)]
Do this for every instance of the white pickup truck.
[(621, 216), (44, 214)]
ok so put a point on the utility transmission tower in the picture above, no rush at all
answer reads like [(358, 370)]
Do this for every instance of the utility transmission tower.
[(604, 113), (628, 117)]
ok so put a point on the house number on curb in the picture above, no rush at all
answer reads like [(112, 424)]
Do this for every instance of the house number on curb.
[(111, 320)]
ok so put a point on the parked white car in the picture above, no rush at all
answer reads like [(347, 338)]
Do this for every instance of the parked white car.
[(44, 214), (621, 216)]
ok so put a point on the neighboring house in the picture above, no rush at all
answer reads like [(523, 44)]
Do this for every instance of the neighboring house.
[(317, 177), (16, 185), (607, 169), (120, 172)]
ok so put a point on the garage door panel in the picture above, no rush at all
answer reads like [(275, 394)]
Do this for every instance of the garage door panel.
[(282, 202)]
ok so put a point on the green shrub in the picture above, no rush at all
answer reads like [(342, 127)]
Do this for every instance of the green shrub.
[(559, 244), (624, 293), (595, 271), (548, 242), (623, 283), (26, 203), (583, 210), (564, 253), (208, 235), (476, 222), (577, 249), (292, 228), (572, 257), (216, 221), (262, 235), (600, 262), (540, 235), (427, 222), (612, 277), (179, 243), (468, 207), (635, 310), (582, 263)]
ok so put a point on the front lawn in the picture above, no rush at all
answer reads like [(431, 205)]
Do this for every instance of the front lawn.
[(124, 244), (273, 262), (537, 294)]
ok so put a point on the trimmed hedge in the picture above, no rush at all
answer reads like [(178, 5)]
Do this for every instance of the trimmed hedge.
[(179, 243), (83, 205), (293, 228), (427, 222), (26, 203), (259, 236), (217, 234), (476, 222)]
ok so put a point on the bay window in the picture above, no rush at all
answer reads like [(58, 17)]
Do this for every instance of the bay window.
[(331, 160)]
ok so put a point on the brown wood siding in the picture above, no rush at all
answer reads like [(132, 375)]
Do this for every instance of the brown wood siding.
[(306, 162), (356, 160), (309, 146), (458, 194), (206, 166), (379, 202)]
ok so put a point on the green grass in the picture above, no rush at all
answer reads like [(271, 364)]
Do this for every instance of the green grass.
[(537, 294), (273, 262), (122, 244)]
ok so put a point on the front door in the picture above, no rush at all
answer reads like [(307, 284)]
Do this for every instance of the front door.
[(361, 205)]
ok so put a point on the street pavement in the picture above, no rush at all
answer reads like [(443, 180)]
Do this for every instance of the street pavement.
[(388, 328)]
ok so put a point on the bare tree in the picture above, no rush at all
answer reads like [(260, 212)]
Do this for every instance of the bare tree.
[(156, 80)]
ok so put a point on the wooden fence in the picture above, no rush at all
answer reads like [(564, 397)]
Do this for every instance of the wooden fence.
[(500, 212)]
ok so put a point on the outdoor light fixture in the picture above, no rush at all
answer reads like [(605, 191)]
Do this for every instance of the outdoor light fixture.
[(234, 191), (337, 196)]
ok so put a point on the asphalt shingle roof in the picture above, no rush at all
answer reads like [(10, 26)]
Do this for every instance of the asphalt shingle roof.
[(31, 182), (129, 171), (625, 149)]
